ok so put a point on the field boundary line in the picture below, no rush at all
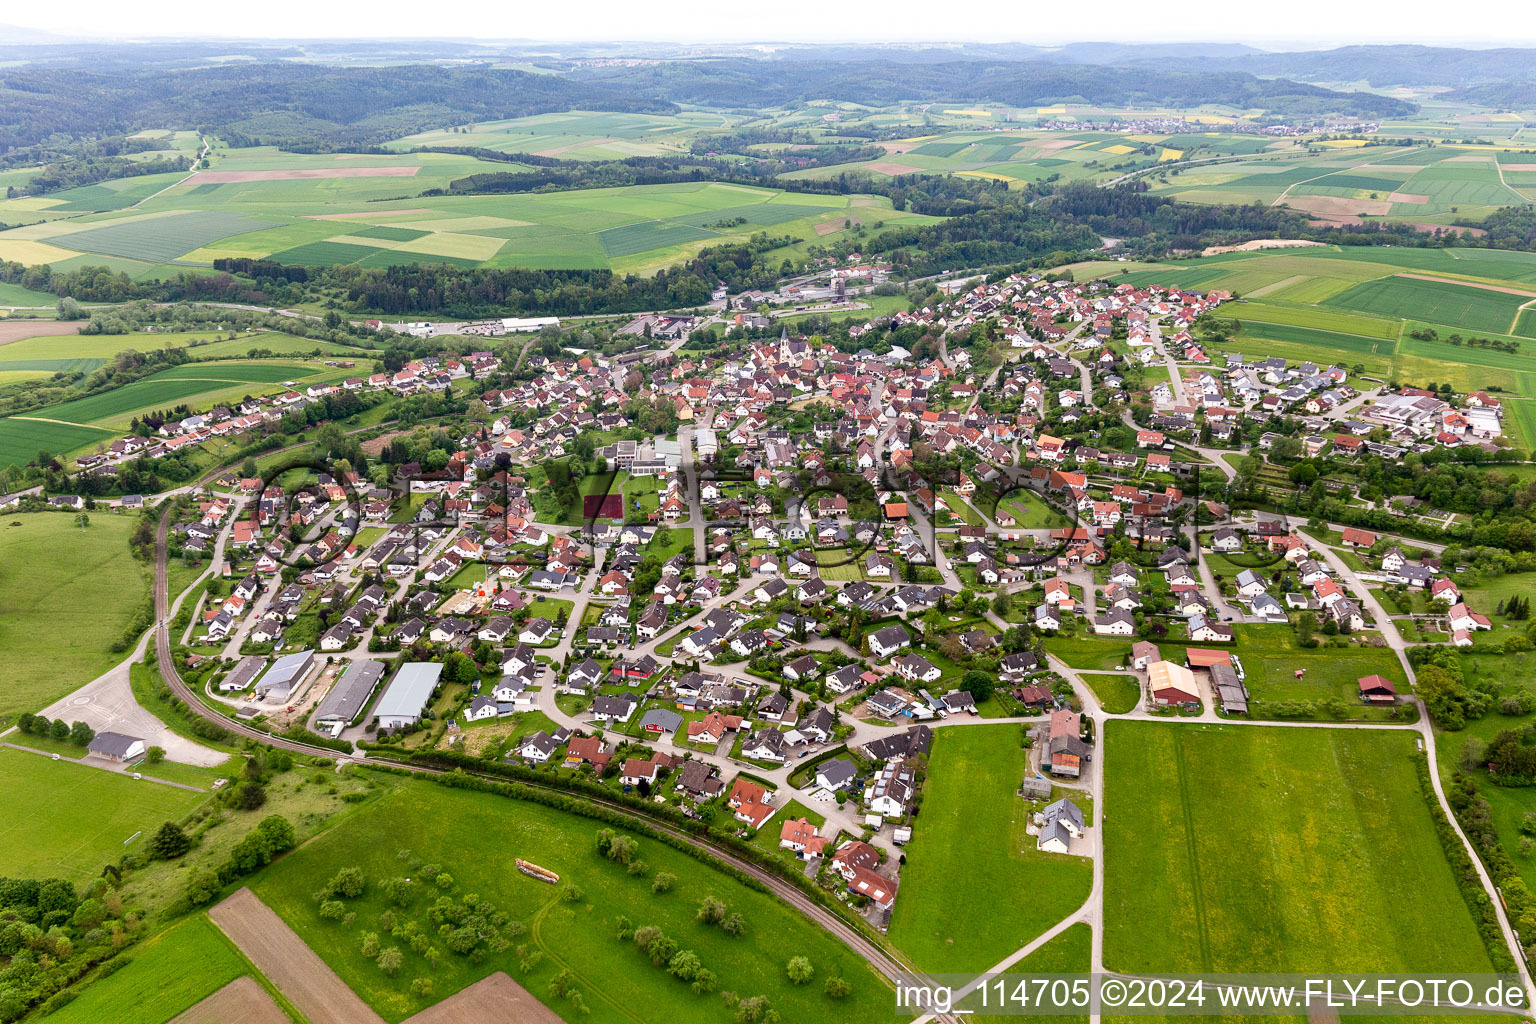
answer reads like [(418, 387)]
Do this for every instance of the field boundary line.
[(207, 148), (1507, 186), (1336, 170), (1516, 321), (63, 423), (1196, 897), (282, 955), (103, 768), (1501, 289)]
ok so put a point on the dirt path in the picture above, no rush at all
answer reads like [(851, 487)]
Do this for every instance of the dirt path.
[(15, 330), (496, 998), (1469, 284), (278, 952), (242, 1000)]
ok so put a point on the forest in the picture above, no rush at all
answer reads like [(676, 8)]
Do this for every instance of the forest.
[(317, 107)]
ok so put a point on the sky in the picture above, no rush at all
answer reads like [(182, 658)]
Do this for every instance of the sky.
[(1296, 24)]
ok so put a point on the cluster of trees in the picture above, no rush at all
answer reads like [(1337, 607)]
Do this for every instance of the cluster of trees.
[(78, 733), (50, 935), (1430, 334), (466, 925), (274, 835), (1450, 700), (73, 173)]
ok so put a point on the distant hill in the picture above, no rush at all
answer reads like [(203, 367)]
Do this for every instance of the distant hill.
[(744, 83), (1381, 66)]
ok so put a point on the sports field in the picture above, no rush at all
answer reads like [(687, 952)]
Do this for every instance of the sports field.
[(66, 595), (65, 820), (970, 859), (1234, 848), (618, 983)]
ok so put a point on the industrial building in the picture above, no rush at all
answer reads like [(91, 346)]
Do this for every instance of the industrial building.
[(408, 694), (349, 695)]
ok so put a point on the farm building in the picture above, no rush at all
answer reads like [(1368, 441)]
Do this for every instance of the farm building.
[(1230, 689), (285, 675), (349, 694), (1169, 683), (1067, 750), (408, 694), (1199, 657), (1377, 690)]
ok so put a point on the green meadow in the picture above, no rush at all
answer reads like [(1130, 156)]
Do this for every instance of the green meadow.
[(66, 595), (617, 981), (970, 859), (157, 983), (65, 820), (1270, 849)]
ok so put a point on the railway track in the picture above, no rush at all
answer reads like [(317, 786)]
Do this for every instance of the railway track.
[(879, 958)]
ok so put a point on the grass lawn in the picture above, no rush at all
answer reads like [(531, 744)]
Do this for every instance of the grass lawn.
[(970, 859), (1323, 811), (66, 596), (617, 982), (157, 984), (668, 542), (1026, 508), (960, 509), (1090, 651), (1070, 952), (1271, 657), (1117, 694), (65, 820)]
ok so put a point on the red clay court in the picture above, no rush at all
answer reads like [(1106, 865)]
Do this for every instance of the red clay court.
[(602, 506)]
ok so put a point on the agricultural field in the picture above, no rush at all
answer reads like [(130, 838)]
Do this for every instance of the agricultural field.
[(1329, 811), (1356, 307), (65, 820), (14, 295), (1029, 154), (618, 983), (22, 439), (319, 210), (199, 384), (970, 854), (579, 134), (156, 985), (1342, 185), (66, 596)]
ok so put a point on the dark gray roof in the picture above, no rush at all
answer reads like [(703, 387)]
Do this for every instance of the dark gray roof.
[(662, 719), (837, 772), (350, 692), (112, 744)]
